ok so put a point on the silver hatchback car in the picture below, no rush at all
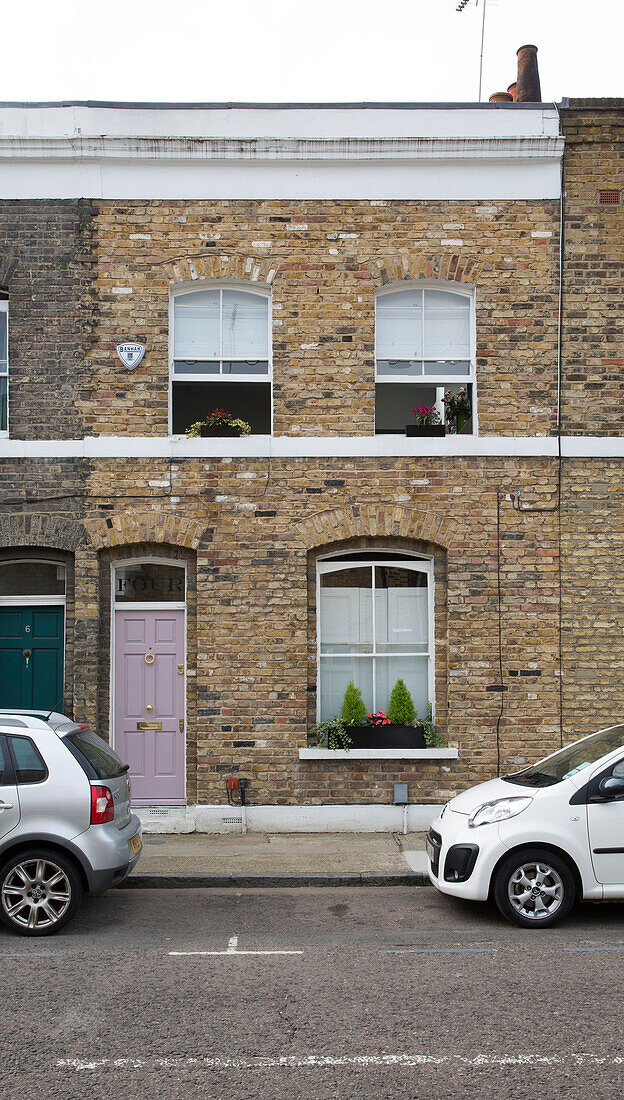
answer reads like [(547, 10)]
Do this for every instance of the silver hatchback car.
[(65, 820)]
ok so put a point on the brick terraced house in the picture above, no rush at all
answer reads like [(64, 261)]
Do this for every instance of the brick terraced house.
[(320, 271)]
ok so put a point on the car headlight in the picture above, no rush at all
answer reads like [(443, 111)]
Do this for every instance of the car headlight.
[(499, 810)]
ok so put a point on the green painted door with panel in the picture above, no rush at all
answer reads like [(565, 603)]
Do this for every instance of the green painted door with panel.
[(31, 657)]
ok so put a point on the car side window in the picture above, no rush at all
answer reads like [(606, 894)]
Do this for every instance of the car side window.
[(29, 764), (618, 769)]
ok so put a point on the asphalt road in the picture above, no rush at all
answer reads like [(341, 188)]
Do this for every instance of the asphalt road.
[(392, 993)]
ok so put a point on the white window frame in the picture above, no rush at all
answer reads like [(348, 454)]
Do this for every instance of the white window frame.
[(417, 564), (441, 381), (182, 290), (4, 308)]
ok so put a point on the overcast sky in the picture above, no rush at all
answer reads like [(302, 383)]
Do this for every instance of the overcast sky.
[(288, 50)]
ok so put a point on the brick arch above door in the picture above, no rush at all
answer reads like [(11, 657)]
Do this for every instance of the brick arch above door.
[(128, 528), (51, 532), (368, 520)]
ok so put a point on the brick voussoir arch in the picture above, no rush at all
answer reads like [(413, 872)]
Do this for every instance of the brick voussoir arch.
[(376, 521), (135, 527), (53, 532), (450, 267), (230, 265)]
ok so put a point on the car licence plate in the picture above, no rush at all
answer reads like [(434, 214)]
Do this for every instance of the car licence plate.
[(136, 843)]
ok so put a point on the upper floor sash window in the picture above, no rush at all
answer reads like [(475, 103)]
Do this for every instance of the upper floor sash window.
[(424, 355), (221, 354)]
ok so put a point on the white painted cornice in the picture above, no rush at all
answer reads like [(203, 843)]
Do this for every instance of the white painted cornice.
[(184, 149), (293, 153)]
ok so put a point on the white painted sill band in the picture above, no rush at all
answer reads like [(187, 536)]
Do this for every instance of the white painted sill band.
[(379, 754)]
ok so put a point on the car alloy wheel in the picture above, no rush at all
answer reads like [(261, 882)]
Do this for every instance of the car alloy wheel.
[(535, 888), (39, 893), (535, 891)]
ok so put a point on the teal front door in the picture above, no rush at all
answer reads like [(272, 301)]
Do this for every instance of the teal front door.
[(31, 657)]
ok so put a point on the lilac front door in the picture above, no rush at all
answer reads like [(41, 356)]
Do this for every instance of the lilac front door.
[(149, 702)]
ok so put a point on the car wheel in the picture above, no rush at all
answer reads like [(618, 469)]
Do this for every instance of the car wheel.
[(40, 891), (534, 888)]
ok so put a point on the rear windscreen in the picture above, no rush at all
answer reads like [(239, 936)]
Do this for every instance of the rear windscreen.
[(96, 757)]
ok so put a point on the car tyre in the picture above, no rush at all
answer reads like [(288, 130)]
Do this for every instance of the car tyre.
[(534, 888), (40, 891)]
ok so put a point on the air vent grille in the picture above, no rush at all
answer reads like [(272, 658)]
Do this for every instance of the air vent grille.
[(159, 813), (609, 198)]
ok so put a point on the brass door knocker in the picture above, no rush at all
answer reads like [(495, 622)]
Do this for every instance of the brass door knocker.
[(149, 658)]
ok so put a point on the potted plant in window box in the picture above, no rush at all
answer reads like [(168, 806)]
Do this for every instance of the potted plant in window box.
[(426, 422), (219, 423), (458, 407), (398, 729)]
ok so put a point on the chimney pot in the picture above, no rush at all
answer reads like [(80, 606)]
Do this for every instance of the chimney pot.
[(501, 97), (512, 90), (528, 85)]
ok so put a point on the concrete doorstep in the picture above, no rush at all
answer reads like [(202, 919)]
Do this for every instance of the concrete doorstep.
[(280, 860)]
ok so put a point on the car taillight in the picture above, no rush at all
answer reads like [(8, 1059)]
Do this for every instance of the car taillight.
[(102, 808)]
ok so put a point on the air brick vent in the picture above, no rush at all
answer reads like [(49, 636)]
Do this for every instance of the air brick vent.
[(609, 198)]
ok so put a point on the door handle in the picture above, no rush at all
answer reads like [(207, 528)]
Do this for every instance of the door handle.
[(6, 805)]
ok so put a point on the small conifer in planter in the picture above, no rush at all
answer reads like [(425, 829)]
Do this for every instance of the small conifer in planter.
[(353, 711), (406, 733), (401, 709)]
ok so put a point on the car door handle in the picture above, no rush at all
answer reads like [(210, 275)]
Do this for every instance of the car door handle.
[(6, 805)]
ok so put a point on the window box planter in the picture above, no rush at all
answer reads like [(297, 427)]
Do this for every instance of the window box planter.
[(426, 429), (387, 737), (223, 433)]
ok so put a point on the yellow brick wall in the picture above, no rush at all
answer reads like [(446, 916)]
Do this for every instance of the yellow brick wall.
[(324, 261)]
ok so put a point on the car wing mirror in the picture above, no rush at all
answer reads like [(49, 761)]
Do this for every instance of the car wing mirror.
[(612, 786)]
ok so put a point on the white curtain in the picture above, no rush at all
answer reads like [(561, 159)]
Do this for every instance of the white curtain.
[(196, 325), (245, 325)]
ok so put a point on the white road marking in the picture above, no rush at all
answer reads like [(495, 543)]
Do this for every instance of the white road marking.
[(440, 951), (315, 1061), (232, 949)]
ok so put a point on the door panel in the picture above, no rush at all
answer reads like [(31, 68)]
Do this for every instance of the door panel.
[(156, 756), (35, 683), (606, 831)]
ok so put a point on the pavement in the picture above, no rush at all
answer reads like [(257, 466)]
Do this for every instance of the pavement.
[(280, 859)]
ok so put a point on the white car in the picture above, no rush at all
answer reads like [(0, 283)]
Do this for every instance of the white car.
[(540, 839)]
